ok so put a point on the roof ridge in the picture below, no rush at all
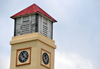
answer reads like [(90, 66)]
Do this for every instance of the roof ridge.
[(43, 10), (36, 7), (32, 9)]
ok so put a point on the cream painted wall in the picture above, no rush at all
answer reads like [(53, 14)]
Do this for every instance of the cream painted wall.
[(36, 41)]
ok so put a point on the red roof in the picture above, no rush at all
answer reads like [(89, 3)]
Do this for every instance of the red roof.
[(32, 9)]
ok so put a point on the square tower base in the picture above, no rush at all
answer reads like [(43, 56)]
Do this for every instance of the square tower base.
[(35, 44)]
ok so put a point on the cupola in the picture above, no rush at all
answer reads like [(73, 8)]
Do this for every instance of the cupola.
[(33, 19)]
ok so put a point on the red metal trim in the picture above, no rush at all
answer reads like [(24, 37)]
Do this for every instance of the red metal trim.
[(32, 9)]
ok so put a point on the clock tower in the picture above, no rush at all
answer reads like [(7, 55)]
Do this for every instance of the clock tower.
[(32, 46)]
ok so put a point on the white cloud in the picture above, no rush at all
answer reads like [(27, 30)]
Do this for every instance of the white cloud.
[(4, 61), (77, 30), (71, 61)]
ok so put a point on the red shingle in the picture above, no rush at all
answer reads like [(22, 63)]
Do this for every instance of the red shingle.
[(32, 9)]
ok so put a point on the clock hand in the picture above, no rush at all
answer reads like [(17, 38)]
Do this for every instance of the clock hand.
[(22, 57)]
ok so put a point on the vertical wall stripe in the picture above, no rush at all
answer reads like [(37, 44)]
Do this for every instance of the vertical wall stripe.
[(21, 25), (52, 30), (36, 25), (30, 24), (48, 28), (15, 28), (42, 26)]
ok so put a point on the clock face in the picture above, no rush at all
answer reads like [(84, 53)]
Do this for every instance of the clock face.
[(45, 58), (23, 56)]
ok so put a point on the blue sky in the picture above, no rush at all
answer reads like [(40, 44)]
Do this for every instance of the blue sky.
[(76, 34)]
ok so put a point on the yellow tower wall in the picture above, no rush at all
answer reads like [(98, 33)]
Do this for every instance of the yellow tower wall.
[(36, 42)]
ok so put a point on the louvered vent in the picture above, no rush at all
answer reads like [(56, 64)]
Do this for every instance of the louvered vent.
[(29, 24), (49, 29), (33, 24), (18, 26), (45, 28), (25, 26)]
